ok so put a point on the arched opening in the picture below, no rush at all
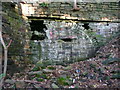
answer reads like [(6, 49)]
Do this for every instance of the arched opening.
[(37, 28)]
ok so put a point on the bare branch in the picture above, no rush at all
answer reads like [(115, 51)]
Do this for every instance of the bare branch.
[(9, 44), (5, 56), (2, 41)]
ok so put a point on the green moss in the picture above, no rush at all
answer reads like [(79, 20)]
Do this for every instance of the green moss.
[(45, 5), (40, 79), (35, 69), (43, 76), (63, 81), (51, 68)]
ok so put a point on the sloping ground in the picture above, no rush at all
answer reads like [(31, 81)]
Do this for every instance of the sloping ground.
[(101, 71), (98, 72)]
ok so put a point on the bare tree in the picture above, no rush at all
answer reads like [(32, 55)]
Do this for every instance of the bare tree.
[(5, 55)]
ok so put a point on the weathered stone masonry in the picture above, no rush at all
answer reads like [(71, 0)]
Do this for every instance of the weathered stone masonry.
[(81, 46), (88, 11), (55, 48)]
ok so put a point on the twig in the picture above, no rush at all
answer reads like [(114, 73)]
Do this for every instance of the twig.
[(9, 44)]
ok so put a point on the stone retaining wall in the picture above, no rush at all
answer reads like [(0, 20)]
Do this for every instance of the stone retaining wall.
[(87, 11), (82, 44)]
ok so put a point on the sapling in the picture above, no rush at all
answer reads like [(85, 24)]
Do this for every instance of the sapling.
[(5, 56)]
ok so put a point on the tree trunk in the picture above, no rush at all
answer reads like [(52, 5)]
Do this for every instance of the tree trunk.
[(5, 61), (75, 4), (0, 42), (0, 59)]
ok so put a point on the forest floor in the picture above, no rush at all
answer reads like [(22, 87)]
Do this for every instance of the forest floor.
[(101, 71)]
